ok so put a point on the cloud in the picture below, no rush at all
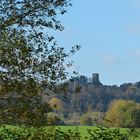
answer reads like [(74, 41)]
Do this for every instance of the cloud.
[(133, 28), (136, 53), (110, 59), (136, 3)]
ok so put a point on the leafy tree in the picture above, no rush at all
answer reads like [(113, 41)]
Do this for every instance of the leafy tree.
[(114, 115), (85, 120), (132, 117), (56, 104), (30, 59), (53, 119), (123, 113)]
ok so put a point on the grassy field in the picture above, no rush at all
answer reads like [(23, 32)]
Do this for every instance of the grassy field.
[(81, 129), (84, 133)]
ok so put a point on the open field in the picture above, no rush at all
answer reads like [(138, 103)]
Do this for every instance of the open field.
[(84, 133), (81, 129)]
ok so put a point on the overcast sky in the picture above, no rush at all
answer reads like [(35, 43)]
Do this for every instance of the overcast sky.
[(109, 33)]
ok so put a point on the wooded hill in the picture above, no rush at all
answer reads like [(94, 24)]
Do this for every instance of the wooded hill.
[(90, 94)]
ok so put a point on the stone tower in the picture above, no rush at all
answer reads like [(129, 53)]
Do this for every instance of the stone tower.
[(95, 79)]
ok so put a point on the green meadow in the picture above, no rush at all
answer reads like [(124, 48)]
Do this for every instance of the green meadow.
[(82, 129), (84, 133), (10, 132)]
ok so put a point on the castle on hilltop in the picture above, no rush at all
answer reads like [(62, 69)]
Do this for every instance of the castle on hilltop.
[(83, 80), (95, 79)]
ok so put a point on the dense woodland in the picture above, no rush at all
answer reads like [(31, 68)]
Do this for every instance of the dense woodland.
[(84, 94), (89, 97), (85, 101)]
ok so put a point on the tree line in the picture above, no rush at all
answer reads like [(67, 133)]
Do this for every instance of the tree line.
[(91, 103)]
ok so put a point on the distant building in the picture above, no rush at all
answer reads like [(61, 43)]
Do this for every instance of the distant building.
[(95, 79), (83, 80)]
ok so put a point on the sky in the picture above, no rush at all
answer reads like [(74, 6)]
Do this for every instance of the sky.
[(109, 34)]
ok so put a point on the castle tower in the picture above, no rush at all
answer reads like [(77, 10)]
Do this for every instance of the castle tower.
[(95, 79)]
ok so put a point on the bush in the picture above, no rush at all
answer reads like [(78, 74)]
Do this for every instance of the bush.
[(53, 119), (85, 120), (49, 133), (53, 133), (104, 133), (26, 133)]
